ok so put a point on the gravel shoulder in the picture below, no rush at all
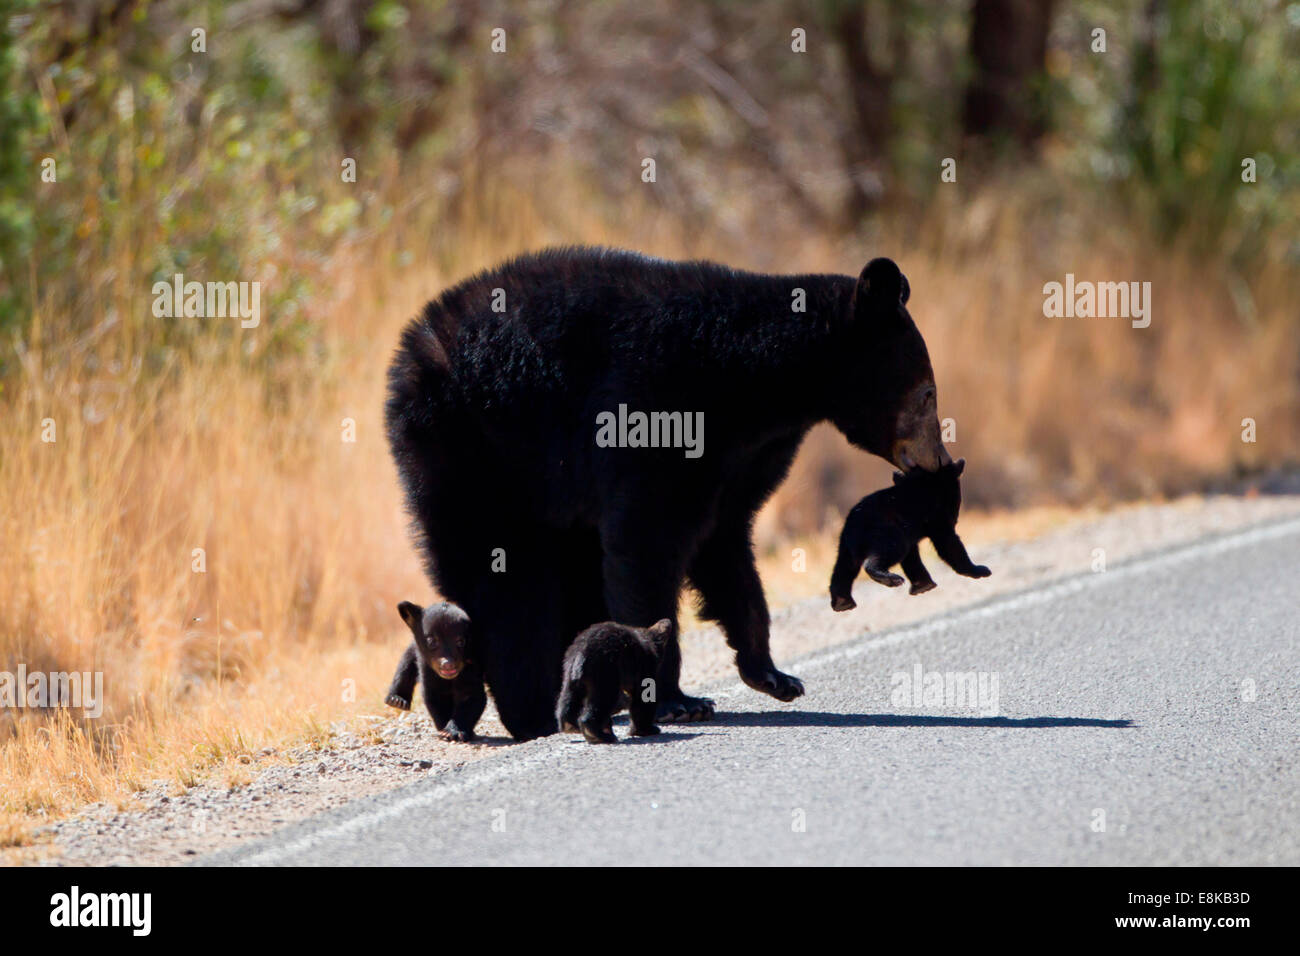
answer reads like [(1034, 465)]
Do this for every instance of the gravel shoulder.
[(288, 786)]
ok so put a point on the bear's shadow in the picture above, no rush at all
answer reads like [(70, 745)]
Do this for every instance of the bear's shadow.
[(814, 718), (669, 734)]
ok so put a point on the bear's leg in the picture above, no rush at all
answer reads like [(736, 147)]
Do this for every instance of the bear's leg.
[(917, 573), (642, 713), (567, 710), (594, 720), (518, 615), (884, 548), (584, 586), (847, 563), (518, 672), (584, 595), (731, 593), (468, 701), (641, 587), (438, 696), (953, 552), (402, 689)]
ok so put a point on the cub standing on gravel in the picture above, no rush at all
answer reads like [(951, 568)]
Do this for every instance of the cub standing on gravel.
[(883, 530), (439, 658), (602, 661)]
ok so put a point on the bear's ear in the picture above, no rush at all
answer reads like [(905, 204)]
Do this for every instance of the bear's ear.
[(898, 477), (880, 286), (958, 465), (660, 631), (412, 614)]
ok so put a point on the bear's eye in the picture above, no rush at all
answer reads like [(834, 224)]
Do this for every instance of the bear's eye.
[(928, 394)]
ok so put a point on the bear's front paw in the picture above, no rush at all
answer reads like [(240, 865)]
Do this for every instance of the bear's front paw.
[(977, 571), (842, 602), (401, 703), (454, 734), (598, 735), (772, 682), (681, 709), (921, 587)]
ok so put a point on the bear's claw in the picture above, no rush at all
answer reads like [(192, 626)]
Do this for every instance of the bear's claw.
[(775, 684), (684, 709)]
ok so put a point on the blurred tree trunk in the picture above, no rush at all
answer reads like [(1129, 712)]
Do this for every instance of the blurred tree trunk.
[(866, 136), (1008, 48), (1138, 134)]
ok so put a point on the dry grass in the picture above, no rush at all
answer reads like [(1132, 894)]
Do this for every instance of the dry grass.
[(304, 557), (303, 535)]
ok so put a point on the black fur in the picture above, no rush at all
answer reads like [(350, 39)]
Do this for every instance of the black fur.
[(491, 419), (442, 641), (604, 661), (883, 530)]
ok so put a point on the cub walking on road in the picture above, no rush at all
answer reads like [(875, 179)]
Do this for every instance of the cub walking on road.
[(439, 658), (603, 661)]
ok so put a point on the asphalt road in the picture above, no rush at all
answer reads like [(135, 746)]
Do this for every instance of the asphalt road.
[(1143, 715)]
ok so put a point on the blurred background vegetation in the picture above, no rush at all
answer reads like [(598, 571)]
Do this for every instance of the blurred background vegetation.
[(221, 154), (228, 160)]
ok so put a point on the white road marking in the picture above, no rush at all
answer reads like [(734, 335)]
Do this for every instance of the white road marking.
[(493, 771), (505, 767)]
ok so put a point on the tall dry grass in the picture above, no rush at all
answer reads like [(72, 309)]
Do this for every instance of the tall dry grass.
[(302, 532)]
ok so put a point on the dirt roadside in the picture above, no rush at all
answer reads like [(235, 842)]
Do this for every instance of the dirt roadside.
[(171, 828)]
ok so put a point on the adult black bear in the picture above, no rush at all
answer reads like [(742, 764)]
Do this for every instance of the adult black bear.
[(500, 390), (883, 529)]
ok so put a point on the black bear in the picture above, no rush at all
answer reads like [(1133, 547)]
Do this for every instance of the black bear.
[(603, 662), (440, 658), (883, 529), (539, 518)]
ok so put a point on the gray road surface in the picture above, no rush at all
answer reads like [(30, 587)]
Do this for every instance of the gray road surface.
[(1144, 715)]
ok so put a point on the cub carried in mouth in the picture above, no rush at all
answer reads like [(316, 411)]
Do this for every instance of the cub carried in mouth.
[(440, 659), (602, 662), (884, 528)]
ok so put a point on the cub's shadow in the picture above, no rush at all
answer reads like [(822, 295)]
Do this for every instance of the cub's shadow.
[(814, 718), (668, 732), (667, 736)]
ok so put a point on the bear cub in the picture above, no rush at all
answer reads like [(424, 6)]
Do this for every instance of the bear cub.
[(604, 661), (883, 530), (439, 658)]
